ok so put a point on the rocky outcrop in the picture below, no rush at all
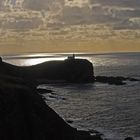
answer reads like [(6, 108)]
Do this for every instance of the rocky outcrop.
[(69, 70), (118, 80), (129, 138), (73, 70), (0, 60)]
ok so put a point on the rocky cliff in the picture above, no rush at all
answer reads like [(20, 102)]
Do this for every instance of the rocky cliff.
[(69, 70)]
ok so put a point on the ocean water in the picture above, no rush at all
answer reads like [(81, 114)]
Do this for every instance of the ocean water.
[(112, 110)]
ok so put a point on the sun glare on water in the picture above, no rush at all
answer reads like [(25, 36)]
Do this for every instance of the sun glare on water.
[(40, 60), (31, 61)]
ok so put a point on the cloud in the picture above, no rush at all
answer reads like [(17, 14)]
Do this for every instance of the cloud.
[(117, 3), (20, 20), (13, 2), (2, 5), (69, 19), (22, 24), (78, 3), (39, 5), (75, 15), (127, 25), (86, 15), (116, 17), (126, 13)]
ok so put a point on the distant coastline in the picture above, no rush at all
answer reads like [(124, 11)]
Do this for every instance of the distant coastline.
[(63, 54), (36, 58)]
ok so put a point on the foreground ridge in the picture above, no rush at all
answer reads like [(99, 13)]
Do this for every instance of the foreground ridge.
[(25, 115)]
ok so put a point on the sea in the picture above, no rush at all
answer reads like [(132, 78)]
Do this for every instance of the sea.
[(110, 109)]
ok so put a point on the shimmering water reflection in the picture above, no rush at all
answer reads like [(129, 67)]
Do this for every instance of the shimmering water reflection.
[(31, 61)]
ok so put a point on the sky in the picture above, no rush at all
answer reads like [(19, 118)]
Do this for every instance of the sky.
[(69, 26)]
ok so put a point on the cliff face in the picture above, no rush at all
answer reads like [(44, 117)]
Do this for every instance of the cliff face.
[(70, 70), (78, 70), (25, 115)]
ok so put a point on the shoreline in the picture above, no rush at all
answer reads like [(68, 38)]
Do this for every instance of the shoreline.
[(23, 89), (28, 117)]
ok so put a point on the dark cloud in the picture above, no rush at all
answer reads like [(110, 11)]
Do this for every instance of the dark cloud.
[(127, 25), (41, 4), (22, 24), (36, 4), (75, 15), (1, 5), (118, 3), (86, 15), (128, 13), (103, 15)]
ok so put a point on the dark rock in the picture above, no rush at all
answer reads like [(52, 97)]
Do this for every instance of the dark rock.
[(69, 121), (110, 80), (56, 97), (129, 138), (0, 60), (78, 70), (95, 132), (133, 79), (119, 80), (86, 136), (42, 91)]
